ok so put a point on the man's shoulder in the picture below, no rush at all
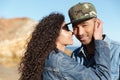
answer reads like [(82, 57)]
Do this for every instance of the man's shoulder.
[(112, 42), (115, 43)]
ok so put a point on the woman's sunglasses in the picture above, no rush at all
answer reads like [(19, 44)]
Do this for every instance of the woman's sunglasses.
[(66, 27)]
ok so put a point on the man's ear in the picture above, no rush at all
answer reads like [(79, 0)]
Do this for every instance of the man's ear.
[(98, 22), (98, 30)]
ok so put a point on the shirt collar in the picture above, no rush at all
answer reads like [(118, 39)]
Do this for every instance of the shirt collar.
[(82, 51)]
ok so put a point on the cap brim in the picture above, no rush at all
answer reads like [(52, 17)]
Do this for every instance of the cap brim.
[(79, 20)]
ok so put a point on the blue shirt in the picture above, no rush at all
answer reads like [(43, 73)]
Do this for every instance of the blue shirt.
[(59, 66), (80, 57)]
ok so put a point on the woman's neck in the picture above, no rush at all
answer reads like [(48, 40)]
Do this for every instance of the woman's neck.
[(61, 47)]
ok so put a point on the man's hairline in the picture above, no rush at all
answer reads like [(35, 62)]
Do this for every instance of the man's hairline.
[(85, 21)]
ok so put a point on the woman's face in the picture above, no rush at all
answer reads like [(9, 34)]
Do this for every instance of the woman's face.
[(65, 36)]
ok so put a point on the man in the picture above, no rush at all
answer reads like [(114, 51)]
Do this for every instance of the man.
[(83, 17)]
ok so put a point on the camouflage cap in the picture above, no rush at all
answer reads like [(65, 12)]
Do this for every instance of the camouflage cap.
[(81, 12)]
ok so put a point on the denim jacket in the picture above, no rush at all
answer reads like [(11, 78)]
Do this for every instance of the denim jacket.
[(115, 58), (79, 56), (59, 66)]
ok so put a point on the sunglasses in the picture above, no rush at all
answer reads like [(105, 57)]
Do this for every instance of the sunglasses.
[(66, 27)]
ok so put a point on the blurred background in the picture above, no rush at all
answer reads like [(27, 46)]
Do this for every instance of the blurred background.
[(18, 19)]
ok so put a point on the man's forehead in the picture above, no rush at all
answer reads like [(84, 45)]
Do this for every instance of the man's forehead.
[(84, 22)]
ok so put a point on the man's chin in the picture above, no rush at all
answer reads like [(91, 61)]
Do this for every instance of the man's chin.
[(85, 42)]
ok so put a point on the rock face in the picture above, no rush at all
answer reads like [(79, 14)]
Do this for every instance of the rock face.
[(14, 34)]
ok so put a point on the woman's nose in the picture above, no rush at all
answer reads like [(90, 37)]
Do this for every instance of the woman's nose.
[(72, 33)]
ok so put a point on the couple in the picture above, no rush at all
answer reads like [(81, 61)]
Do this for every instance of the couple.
[(45, 58)]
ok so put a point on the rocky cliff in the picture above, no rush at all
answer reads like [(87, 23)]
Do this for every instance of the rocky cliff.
[(14, 34)]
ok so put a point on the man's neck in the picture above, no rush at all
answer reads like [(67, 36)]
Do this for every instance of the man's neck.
[(90, 47)]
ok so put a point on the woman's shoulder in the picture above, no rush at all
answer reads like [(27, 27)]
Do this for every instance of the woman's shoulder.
[(55, 58)]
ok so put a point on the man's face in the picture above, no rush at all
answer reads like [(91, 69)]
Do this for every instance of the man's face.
[(84, 31)]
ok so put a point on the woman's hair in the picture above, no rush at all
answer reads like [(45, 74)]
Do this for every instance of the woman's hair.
[(40, 45)]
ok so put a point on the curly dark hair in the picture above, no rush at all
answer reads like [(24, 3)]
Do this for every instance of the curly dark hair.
[(40, 45)]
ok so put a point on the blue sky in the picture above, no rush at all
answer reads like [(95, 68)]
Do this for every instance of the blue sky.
[(108, 11)]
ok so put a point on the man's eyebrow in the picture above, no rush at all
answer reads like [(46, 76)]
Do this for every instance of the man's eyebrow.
[(85, 22)]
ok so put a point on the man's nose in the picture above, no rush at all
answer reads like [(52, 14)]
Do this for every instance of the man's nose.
[(80, 30)]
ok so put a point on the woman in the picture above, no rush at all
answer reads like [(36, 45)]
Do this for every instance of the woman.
[(45, 59)]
